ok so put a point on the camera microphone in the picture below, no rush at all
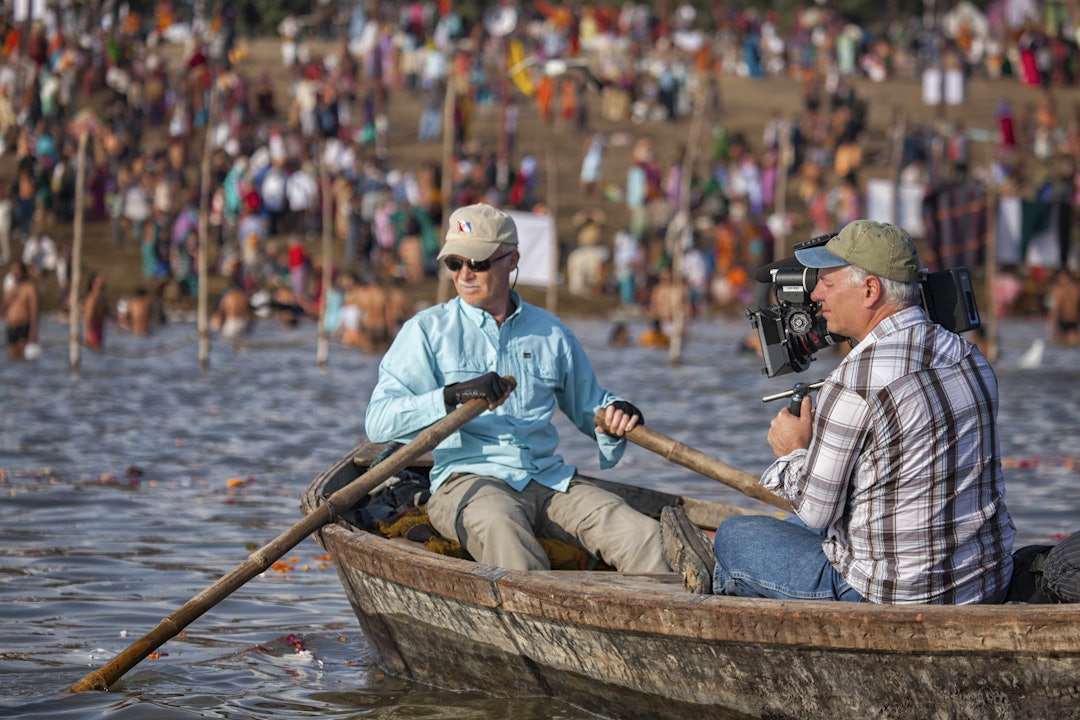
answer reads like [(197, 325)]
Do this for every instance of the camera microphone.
[(764, 273)]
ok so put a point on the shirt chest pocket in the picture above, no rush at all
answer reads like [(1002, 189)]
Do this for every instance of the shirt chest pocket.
[(460, 368), (537, 382)]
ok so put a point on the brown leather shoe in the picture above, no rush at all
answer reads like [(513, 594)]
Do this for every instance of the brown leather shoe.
[(687, 550)]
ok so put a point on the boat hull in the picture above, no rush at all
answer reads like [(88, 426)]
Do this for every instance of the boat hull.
[(640, 646)]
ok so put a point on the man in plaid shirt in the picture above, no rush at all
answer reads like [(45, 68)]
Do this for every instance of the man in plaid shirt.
[(895, 477)]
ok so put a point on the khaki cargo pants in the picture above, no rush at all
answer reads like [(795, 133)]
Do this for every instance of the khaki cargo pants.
[(498, 525)]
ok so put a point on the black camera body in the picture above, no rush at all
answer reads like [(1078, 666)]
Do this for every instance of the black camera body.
[(791, 331)]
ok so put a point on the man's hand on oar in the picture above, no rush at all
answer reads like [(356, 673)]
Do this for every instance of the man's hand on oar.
[(620, 417)]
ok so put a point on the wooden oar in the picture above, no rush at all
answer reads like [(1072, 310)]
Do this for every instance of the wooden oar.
[(268, 554), (699, 462)]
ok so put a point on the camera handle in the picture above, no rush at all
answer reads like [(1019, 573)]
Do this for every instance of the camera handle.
[(796, 393)]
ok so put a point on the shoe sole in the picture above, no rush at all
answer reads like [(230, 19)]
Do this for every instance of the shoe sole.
[(686, 550)]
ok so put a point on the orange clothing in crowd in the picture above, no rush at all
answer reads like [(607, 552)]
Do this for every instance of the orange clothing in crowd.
[(569, 99), (545, 94)]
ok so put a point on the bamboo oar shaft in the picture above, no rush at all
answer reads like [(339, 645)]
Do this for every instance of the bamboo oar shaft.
[(268, 554), (699, 462)]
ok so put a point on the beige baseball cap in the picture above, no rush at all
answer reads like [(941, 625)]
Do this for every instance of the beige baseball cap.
[(878, 248), (476, 231)]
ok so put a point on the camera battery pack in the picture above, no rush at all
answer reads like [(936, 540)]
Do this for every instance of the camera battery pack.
[(950, 300)]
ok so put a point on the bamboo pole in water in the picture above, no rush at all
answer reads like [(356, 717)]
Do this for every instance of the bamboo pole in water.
[(203, 319), (686, 226), (898, 166), (990, 319), (322, 352), (76, 252), (783, 163), (449, 101), (553, 208)]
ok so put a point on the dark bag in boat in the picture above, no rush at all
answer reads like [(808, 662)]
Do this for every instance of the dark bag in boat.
[(1047, 573), (1061, 571), (1026, 584), (404, 491)]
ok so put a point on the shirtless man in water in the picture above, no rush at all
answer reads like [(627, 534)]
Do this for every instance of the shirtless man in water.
[(233, 314), (372, 299), (96, 309), (364, 316), (21, 310), (1063, 321), (134, 313)]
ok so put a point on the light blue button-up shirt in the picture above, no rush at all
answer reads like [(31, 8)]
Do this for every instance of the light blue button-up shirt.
[(516, 442)]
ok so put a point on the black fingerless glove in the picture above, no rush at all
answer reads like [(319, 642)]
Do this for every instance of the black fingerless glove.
[(490, 387), (629, 409)]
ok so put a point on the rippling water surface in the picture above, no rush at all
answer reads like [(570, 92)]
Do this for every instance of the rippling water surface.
[(134, 482)]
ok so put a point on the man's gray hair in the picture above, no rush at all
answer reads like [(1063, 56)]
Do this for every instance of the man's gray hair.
[(900, 294)]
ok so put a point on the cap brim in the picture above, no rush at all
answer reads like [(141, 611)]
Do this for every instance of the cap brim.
[(471, 249), (819, 257)]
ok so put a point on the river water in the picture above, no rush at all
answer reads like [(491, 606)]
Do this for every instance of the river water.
[(137, 480)]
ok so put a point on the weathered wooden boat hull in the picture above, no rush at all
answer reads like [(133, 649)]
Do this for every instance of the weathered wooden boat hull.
[(640, 646)]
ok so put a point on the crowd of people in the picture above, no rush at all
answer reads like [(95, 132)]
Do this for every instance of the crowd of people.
[(282, 163)]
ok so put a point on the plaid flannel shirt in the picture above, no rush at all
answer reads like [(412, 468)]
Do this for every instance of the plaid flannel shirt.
[(904, 471)]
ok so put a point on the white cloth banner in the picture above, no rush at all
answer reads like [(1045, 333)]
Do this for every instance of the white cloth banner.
[(933, 87), (1008, 231), (880, 201), (538, 248), (32, 9), (954, 87)]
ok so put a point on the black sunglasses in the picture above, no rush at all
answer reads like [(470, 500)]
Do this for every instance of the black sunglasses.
[(453, 264)]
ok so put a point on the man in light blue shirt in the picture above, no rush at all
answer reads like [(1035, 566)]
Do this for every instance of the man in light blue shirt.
[(498, 483)]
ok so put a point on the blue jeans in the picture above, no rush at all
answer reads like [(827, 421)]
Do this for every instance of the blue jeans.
[(761, 556)]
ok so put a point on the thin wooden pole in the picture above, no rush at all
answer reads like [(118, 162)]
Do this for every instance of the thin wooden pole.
[(898, 151), (680, 454), (322, 352), (686, 229), (552, 163), (783, 165), (76, 253), (449, 101), (203, 319), (990, 275), (502, 152), (265, 556)]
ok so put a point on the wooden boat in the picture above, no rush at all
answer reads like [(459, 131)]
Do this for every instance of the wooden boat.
[(641, 646)]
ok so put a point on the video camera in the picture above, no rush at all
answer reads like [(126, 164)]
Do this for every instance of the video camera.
[(791, 331)]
